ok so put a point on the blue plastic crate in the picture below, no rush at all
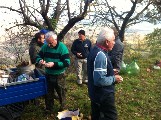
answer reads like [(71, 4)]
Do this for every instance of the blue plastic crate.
[(22, 91)]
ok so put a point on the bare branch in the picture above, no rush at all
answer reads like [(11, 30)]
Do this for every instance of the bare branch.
[(112, 15), (72, 21), (14, 26), (47, 7), (42, 5), (36, 21), (11, 9), (68, 8), (23, 11), (137, 16)]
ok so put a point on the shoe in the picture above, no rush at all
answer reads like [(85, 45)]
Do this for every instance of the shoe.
[(79, 82)]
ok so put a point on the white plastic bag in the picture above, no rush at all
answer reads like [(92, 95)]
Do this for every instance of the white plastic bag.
[(68, 114)]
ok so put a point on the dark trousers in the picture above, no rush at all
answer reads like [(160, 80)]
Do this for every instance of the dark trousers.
[(106, 109), (57, 83)]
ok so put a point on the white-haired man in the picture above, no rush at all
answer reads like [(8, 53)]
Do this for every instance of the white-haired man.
[(54, 55), (101, 78)]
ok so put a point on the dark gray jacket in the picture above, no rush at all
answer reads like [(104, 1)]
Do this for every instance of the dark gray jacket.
[(34, 49), (116, 54)]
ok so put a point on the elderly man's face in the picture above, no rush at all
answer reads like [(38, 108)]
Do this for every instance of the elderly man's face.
[(51, 42), (110, 44)]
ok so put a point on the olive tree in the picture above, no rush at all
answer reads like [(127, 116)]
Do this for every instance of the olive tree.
[(154, 42), (16, 44), (49, 13), (133, 12)]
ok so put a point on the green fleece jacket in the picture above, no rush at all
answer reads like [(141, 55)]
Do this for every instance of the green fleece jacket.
[(59, 55)]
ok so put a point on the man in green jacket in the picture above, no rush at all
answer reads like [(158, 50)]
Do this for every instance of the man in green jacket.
[(54, 55)]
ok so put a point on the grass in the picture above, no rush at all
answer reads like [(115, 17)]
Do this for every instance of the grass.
[(137, 98)]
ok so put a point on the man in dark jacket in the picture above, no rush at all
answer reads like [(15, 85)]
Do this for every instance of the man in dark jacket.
[(101, 78), (81, 48), (116, 54), (35, 46)]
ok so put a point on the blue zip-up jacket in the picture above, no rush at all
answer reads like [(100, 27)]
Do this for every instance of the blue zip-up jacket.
[(100, 74), (82, 47)]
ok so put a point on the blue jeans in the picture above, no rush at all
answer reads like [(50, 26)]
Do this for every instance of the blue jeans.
[(106, 109)]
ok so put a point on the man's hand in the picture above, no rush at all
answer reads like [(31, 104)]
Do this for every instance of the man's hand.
[(42, 62), (118, 78), (79, 54), (49, 64)]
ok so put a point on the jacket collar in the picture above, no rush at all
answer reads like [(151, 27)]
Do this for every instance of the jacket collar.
[(102, 47)]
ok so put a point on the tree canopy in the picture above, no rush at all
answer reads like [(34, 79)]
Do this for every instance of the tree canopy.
[(47, 13), (157, 3), (51, 13), (134, 11), (154, 41)]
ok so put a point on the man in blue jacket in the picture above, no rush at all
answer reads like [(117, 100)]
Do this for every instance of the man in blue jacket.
[(81, 48), (101, 78)]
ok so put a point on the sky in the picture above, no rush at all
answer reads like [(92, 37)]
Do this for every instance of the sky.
[(6, 19)]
